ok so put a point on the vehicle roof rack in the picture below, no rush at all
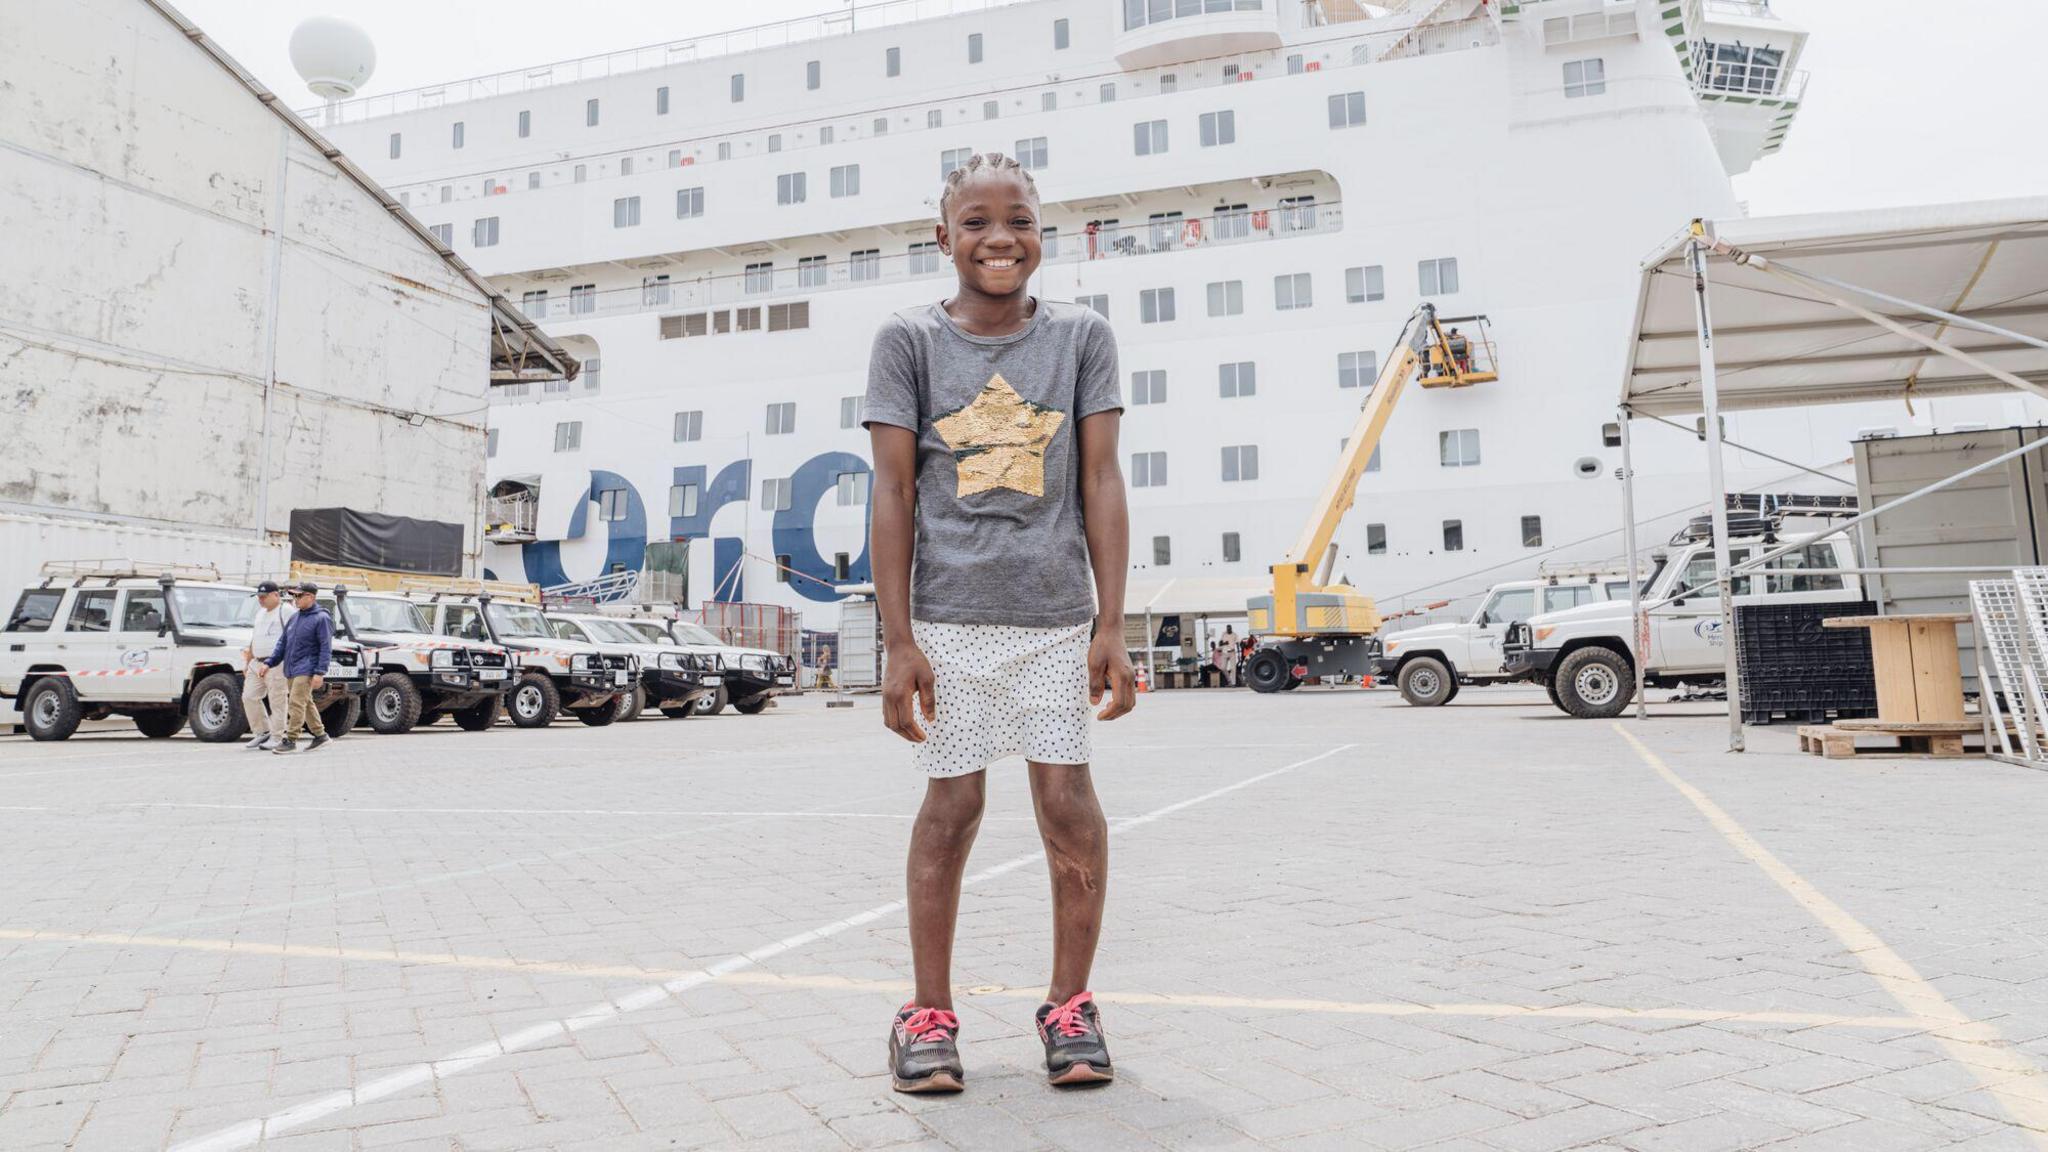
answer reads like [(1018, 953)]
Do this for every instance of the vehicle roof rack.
[(1555, 571), (462, 586), (79, 571), (1762, 514)]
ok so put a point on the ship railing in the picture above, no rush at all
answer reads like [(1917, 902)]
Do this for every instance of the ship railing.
[(1137, 238), (1753, 9), (610, 588), (1744, 70)]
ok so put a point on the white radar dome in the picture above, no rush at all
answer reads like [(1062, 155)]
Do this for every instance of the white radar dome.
[(333, 56)]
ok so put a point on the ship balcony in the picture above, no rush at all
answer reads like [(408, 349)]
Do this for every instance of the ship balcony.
[(514, 513), (1069, 241), (1153, 33)]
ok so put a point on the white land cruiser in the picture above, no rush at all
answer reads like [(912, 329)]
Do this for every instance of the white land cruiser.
[(160, 644), (1585, 656), (415, 676), (753, 676), (673, 678), (551, 673), (1429, 662)]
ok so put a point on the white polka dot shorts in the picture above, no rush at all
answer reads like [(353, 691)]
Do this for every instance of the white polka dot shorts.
[(1004, 690)]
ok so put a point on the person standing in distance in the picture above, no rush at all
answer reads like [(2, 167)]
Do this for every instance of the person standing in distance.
[(1000, 545), (262, 683), (303, 652)]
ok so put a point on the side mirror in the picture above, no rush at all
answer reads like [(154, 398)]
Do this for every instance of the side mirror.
[(1484, 620)]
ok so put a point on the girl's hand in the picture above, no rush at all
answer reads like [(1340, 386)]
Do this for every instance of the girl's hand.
[(909, 677), (1109, 669)]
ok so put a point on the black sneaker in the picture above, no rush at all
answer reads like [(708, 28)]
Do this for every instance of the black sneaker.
[(924, 1050), (286, 748), (316, 741), (1074, 1049)]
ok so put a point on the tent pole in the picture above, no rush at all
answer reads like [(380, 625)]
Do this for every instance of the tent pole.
[(1637, 625), (1716, 480)]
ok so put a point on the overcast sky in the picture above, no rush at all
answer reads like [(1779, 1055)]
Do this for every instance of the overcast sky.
[(1910, 102)]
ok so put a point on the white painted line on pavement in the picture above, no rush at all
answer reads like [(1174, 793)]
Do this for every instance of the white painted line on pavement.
[(768, 815), (250, 1132), (2001, 1069)]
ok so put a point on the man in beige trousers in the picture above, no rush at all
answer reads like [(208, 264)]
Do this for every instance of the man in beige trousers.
[(261, 682)]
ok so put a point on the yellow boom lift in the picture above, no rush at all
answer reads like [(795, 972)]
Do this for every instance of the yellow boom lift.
[(1314, 628)]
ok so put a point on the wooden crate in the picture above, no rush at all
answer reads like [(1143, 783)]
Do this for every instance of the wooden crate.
[(1936, 741)]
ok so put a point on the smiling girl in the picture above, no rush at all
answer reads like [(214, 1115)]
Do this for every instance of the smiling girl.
[(1000, 541)]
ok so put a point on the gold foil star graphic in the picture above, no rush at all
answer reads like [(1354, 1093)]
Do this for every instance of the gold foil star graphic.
[(999, 440)]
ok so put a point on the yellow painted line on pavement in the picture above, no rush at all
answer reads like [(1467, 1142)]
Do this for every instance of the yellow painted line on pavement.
[(773, 980), (2003, 1071)]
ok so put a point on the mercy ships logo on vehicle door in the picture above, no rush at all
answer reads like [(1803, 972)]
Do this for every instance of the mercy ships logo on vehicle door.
[(999, 440)]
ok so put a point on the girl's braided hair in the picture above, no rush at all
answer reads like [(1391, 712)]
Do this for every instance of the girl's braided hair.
[(978, 163)]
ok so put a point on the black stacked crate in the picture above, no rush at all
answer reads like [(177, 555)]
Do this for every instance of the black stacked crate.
[(1793, 669)]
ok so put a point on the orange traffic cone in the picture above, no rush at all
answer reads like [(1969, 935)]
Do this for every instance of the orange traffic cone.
[(1144, 679)]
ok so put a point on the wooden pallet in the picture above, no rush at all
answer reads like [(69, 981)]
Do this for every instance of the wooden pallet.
[(1838, 741)]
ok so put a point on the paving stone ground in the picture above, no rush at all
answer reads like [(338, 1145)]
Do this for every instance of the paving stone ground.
[(1335, 922)]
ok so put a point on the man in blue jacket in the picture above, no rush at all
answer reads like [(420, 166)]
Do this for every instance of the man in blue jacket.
[(302, 654)]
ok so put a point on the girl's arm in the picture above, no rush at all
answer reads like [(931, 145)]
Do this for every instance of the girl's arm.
[(893, 504), (1108, 522)]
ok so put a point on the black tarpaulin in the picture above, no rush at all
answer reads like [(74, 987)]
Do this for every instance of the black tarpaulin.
[(372, 540)]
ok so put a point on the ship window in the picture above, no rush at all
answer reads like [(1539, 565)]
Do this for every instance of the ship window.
[(1375, 539), (445, 233), (579, 174), (853, 411), (1293, 291), (484, 232), (689, 203), (1347, 109), (625, 166), (1240, 462), (894, 61), (760, 277), (1532, 531), (569, 436), (775, 141), (1454, 536), (626, 212), (785, 317), (1233, 222), (1357, 369), (924, 258), (1372, 463), (491, 443), (781, 418), (739, 87), (1295, 65), (1059, 35), (934, 118), (1106, 94), (1149, 137), (690, 425), (611, 504), (853, 489), (525, 124), (825, 134), (1458, 447), (881, 126), (990, 109), (1231, 551), (1238, 379), (682, 500), (1168, 83), (661, 101), (1162, 550), (1365, 284), (1438, 277), (1165, 229), (1585, 77), (951, 159), (725, 149), (864, 264), (1226, 298), (447, 193), (1219, 128), (1297, 213), (1099, 303), (746, 319), (974, 47), (590, 113), (456, 135), (1031, 153), (810, 272), (846, 180), (1048, 101), (1148, 469), (1148, 386), (789, 188), (1155, 305), (534, 304), (396, 141), (812, 69), (532, 180), (775, 495)]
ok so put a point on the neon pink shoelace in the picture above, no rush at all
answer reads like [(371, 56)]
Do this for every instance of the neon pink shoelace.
[(1067, 1017), (931, 1024)]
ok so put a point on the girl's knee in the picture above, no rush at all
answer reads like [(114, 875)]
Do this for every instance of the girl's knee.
[(953, 806)]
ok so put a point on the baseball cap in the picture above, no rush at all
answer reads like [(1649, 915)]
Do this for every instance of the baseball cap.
[(307, 588), (267, 586)]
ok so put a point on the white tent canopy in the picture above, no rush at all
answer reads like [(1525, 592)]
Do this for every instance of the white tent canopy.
[(1191, 595), (1780, 341)]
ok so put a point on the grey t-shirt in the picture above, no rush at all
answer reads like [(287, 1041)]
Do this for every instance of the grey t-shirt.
[(999, 534)]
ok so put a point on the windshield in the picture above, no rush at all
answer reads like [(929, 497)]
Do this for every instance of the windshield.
[(214, 607), (690, 633), (383, 615), (1510, 605), (612, 632), (519, 622), (645, 632)]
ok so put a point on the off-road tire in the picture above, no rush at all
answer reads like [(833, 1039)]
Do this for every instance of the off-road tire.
[(394, 704), (214, 710), (715, 703), (599, 716), (1550, 690), (1594, 683), (340, 718), (160, 724), (754, 707), (1427, 682), (1268, 671), (541, 703), (683, 713), (480, 716), (631, 704), (50, 710)]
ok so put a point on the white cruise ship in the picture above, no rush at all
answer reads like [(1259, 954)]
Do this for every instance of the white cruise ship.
[(1256, 193)]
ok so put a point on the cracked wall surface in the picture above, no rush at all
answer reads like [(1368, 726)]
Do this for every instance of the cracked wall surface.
[(147, 197)]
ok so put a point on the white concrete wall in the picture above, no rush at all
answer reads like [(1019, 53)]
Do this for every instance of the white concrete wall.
[(164, 232)]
